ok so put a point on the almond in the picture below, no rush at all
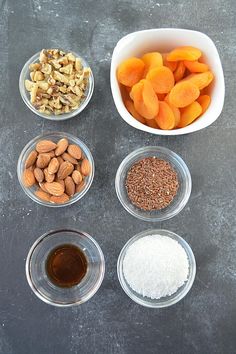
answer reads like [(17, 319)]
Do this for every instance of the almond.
[(75, 151), (42, 195), (80, 187), (41, 185), (28, 178), (51, 153), (53, 166), (59, 200), (60, 160), (85, 167), (49, 177), (31, 158), (38, 174), (61, 147), (43, 160), (77, 177), (69, 186), (68, 157), (65, 169), (61, 181), (54, 188), (45, 146)]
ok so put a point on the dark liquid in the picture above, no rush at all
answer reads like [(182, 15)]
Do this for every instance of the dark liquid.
[(66, 266)]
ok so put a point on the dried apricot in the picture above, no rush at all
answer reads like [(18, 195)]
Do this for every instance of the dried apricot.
[(204, 101), (130, 108), (179, 72), (201, 80), (172, 65), (145, 99), (175, 110), (165, 117), (183, 94), (195, 66), (152, 123), (184, 53), (162, 79), (130, 71), (151, 60), (189, 114)]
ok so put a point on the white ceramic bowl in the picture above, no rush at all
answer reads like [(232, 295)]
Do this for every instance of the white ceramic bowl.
[(163, 40)]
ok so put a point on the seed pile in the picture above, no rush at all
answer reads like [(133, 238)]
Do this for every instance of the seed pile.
[(152, 184)]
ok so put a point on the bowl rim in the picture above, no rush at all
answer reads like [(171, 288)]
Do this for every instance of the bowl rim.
[(53, 117), (39, 240), (186, 287), (127, 117), (70, 137), (168, 152)]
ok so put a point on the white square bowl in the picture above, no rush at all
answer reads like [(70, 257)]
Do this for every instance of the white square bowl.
[(164, 40)]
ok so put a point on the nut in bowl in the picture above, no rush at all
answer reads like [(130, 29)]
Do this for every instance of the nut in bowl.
[(55, 169), (167, 81), (55, 84)]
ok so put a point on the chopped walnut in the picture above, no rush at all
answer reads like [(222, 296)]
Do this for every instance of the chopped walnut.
[(58, 82)]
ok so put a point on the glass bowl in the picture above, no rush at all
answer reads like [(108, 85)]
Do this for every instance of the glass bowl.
[(25, 75), (54, 136), (184, 177), (36, 268), (167, 300)]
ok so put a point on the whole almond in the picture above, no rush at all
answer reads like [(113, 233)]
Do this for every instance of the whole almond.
[(80, 187), (45, 146), (85, 167), (68, 157), (60, 160), (74, 151), (61, 146), (51, 153), (59, 200), (69, 186), (42, 195), (31, 158), (61, 181), (38, 174), (54, 188), (65, 169), (77, 177), (43, 160), (28, 178), (53, 166), (49, 177), (42, 186)]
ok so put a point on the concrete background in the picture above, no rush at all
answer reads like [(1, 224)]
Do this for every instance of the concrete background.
[(205, 321)]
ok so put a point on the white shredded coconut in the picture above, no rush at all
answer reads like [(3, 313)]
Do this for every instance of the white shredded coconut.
[(156, 266)]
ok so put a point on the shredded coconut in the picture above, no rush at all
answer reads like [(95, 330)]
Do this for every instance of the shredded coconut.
[(156, 266)]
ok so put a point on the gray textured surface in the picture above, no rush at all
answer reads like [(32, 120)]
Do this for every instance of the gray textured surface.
[(205, 321)]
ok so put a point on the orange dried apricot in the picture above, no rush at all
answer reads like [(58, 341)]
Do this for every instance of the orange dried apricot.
[(130, 71), (165, 117), (172, 65), (204, 101), (152, 123), (151, 60), (161, 78), (195, 66), (145, 99), (175, 110), (201, 80), (183, 94), (131, 109), (184, 53), (189, 114), (179, 72)]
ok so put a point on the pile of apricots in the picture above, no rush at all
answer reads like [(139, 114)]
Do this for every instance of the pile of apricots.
[(166, 91)]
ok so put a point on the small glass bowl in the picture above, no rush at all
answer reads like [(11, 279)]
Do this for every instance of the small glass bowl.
[(42, 286), (25, 75), (54, 136), (184, 177), (167, 300)]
